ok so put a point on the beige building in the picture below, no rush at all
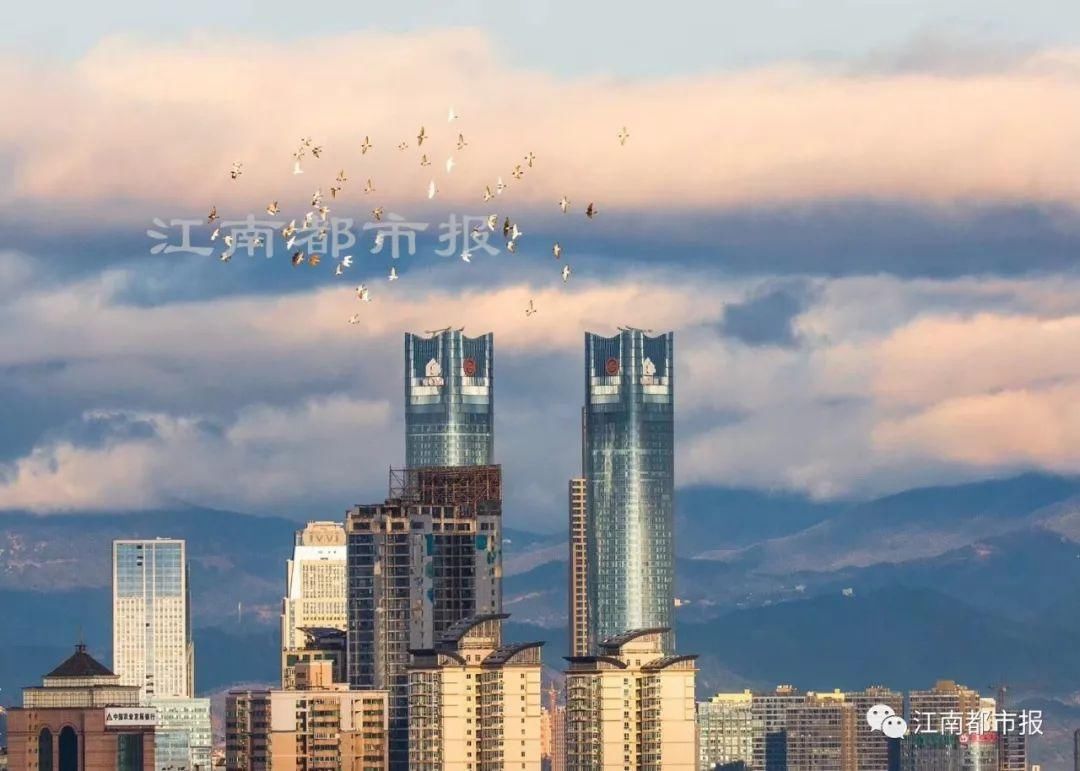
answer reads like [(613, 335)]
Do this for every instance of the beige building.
[(557, 731), (946, 697), (579, 591), (152, 637), (315, 594), (474, 704), (631, 707), (319, 725), (872, 747), (821, 734), (727, 730)]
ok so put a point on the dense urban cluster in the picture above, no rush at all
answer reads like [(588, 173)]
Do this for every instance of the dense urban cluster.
[(393, 655)]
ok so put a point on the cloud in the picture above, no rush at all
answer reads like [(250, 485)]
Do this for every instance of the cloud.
[(274, 403), (149, 127), (767, 316)]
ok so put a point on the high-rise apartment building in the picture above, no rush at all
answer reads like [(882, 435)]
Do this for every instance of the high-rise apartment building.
[(1012, 743), (152, 641), (631, 706), (579, 566), (727, 730), (926, 708), (628, 457), (315, 595), (874, 751), (557, 723), (821, 734), (319, 725), (770, 711), (426, 558), (474, 704), (449, 400)]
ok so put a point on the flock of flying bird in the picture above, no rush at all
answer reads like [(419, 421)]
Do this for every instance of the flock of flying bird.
[(510, 230)]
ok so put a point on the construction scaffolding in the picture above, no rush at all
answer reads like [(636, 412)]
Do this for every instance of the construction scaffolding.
[(473, 489)]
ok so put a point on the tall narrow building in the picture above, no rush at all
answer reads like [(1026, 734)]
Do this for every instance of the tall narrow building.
[(474, 704), (152, 642), (314, 591), (579, 586), (631, 708), (426, 558), (449, 399), (821, 734), (629, 469)]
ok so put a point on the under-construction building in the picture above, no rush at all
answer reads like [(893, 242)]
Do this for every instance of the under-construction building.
[(418, 563)]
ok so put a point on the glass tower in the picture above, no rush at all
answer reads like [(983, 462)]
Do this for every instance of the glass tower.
[(629, 468), (152, 642), (449, 409)]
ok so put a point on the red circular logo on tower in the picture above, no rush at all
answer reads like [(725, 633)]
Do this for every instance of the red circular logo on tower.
[(612, 366), (469, 367)]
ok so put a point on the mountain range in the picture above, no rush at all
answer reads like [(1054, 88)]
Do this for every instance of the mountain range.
[(976, 582)]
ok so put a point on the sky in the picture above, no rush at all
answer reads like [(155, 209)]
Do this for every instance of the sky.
[(859, 219)]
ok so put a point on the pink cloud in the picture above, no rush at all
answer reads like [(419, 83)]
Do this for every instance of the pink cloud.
[(159, 126)]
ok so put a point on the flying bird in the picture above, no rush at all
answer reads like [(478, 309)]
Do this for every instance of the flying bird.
[(297, 257), (334, 190), (403, 146), (531, 309), (420, 137), (354, 319), (272, 208), (518, 172), (492, 221), (324, 211), (623, 136), (590, 211), (499, 186), (316, 150), (461, 143), (511, 245), (347, 260), (339, 270), (362, 293), (314, 260), (393, 273), (236, 170), (564, 204), (529, 158), (369, 188), (565, 273), (449, 164), (465, 255), (506, 228), (451, 116), (431, 189), (213, 215), (365, 146), (515, 232), (296, 167), (316, 198), (424, 161), (226, 256), (228, 241), (557, 250), (377, 213), (341, 178), (488, 195)]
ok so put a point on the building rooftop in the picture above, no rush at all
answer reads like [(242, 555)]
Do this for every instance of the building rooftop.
[(81, 664), (620, 640)]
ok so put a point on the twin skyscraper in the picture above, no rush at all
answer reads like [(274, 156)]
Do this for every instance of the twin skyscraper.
[(623, 565)]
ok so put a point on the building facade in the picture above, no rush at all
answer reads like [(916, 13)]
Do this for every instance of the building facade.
[(874, 751), (81, 718), (727, 731), (449, 400), (930, 752), (629, 468), (183, 737), (631, 706), (770, 711), (426, 558), (315, 593), (821, 734), (474, 704), (579, 567), (152, 640), (318, 725)]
